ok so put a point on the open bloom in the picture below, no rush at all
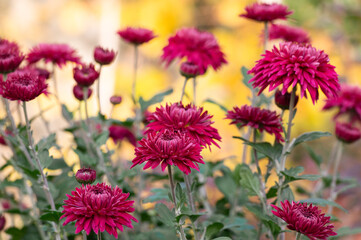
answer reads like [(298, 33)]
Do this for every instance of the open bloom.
[(304, 219), (348, 101), (200, 48), (103, 56), (190, 119), (136, 36), (86, 175), (78, 92), (346, 133), (293, 64), (261, 119), (119, 133), (10, 56), (168, 148), (288, 33), (85, 75), (264, 12), (98, 207), (23, 85), (58, 54)]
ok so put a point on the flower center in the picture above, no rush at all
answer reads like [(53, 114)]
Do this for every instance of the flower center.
[(307, 214)]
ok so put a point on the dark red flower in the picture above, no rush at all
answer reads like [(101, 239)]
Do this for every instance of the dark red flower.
[(119, 133), (189, 70), (86, 175), (200, 48), (6, 205), (304, 219), (345, 132), (85, 75), (103, 56), (261, 119), (294, 64), (43, 72), (136, 36), (58, 54), (189, 119), (116, 99), (348, 101), (168, 148), (2, 138), (99, 208), (10, 56), (264, 12), (283, 100), (78, 92), (23, 85), (2, 222), (288, 33)]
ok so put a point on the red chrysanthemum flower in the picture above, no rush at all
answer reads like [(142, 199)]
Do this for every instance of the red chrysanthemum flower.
[(263, 12), (115, 100), (103, 56), (288, 33), (261, 119), (58, 54), (85, 75), (294, 64), (189, 119), (168, 148), (86, 175), (119, 133), (346, 133), (10, 56), (23, 85), (348, 101), (283, 100), (2, 222), (78, 92), (200, 48), (98, 207), (136, 36), (304, 219)]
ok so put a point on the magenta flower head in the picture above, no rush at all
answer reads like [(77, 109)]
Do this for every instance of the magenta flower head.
[(168, 148), (10, 56), (119, 133), (346, 133), (2, 222), (59, 54), (288, 33), (307, 220), (115, 100), (189, 119), (85, 75), (43, 72), (99, 208), (86, 175), (136, 36), (23, 85), (283, 100), (103, 56), (263, 12), (348, 101), (78, 92), (200, 48), (294, 64), (189, 70), (261, 119)]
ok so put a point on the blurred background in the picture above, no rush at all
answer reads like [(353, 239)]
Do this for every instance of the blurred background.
[(333, 25)]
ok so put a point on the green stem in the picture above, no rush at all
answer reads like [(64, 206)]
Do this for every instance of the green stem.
[(263, 197), (184, 88), (298, 236), (37, 160), (265, 35), (56, 92), (98, 90), (135, 68), (46, 123), (194, 90), (85, 93), (187, 181), (99, 236), (333, 193)]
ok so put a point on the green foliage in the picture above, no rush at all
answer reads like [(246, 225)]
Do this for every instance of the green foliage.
[(155, 99)]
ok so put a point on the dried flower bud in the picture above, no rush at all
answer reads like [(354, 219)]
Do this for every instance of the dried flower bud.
[(86, 175)]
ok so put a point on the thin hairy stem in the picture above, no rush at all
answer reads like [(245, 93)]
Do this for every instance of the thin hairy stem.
[(98, 90), (194, 90), (333, 193), (135, 69), (85, 93), (184, 88), (266, 35)]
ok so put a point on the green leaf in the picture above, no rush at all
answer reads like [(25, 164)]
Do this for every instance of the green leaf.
[(287, 194), (66, 113), (316, 158), (46, 143), (222, 238), (159, 194), (345, 231), (292, 175), (246, 77), (155, 99), (85, 158), (213, 229), (309, 136), (208, 100), (52, 216), (165, 215), (273, 152), (226, 185), (249, 181), (322, 202), (236, 223), (102, 138), (273, 226), (192, 216), (44, 158)]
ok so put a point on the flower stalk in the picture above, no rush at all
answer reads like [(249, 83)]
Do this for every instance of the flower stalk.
[(333, 193), (98, 90)]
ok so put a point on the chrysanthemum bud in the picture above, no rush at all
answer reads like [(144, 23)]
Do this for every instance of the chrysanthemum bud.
[(86, 175), (346, 133), (283, 100), (189, 70), (103, 56), (79, 93), (116, 100), (86, 75)]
